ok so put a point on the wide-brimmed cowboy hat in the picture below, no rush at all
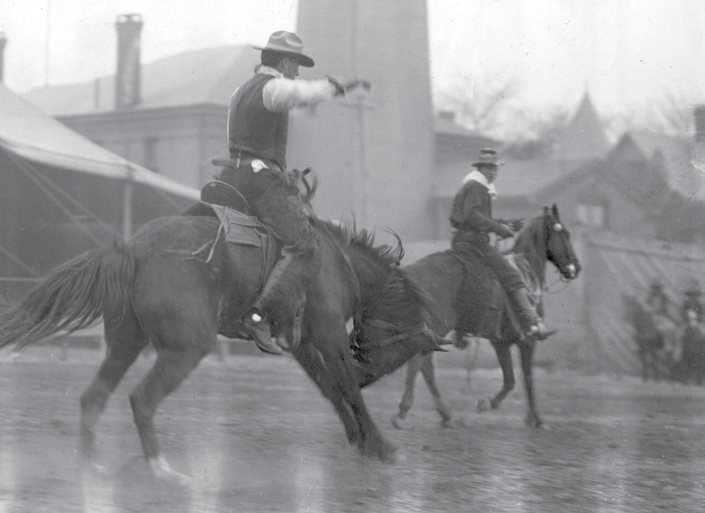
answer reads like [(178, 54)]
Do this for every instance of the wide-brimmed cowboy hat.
[(488, 157), (289, 44)]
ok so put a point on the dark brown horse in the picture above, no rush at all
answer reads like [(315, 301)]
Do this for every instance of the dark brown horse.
[(441, 275), (176, 284)]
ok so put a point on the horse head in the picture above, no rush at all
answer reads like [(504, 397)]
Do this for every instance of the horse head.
[(545, 238), (559, 249)]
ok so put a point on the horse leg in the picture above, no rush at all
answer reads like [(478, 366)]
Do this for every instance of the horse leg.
[(333, 345), (504, 356), (310, 359), (173, 364), (430, 377), (526, 350), (644, 365), (407, 399), (125, 339)]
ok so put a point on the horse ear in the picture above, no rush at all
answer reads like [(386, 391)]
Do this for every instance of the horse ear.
[(554, 209), (545, 211)]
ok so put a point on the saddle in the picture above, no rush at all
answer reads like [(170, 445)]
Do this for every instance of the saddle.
[(482, 301), (237, 225)]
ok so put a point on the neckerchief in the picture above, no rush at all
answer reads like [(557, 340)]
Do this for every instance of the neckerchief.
[(476, 176)]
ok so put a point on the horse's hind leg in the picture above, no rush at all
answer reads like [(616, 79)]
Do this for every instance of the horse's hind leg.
[(429, 375), (504, 356), (407, 399), (124, 339), (175, 360)]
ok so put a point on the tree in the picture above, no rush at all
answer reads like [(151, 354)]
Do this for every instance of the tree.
[(479, 108)]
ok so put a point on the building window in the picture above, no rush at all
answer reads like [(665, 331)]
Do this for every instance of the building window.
[(150, 154), (592, 214)]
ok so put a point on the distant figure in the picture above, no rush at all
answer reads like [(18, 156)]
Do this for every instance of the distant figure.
[(692, 302), (657, 300)]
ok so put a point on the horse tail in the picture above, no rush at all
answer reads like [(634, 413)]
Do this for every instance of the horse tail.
[(71, 297)]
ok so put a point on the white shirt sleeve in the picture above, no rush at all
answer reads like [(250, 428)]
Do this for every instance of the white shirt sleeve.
[(282, 94)]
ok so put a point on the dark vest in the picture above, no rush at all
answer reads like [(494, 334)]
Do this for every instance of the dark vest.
[(254, 129)]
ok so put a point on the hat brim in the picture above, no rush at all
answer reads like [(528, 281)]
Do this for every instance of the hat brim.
[(303, 60), (486, 164)]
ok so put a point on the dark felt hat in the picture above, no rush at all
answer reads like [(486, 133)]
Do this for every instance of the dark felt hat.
[(488, 157), (287, 43)]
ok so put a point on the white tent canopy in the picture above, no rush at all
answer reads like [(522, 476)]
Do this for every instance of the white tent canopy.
[(33, 135)]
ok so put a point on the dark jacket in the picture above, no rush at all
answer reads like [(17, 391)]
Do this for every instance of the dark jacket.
[(472, 210)]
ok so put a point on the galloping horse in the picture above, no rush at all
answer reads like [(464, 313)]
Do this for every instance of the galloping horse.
[(177, 284), (441, 275)]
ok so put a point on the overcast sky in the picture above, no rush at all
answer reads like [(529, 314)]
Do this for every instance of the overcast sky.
[(627, 53)]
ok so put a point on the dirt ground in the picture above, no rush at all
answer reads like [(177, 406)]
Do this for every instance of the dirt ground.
[(256, 436)]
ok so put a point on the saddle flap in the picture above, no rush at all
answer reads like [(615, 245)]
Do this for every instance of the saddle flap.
[(240, 228)]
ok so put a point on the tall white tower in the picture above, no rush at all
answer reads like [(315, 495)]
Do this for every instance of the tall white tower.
[(374, 157)]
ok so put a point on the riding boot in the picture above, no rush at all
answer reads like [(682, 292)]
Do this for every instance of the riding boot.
[(282, 293), (531, 323), (258, 328)]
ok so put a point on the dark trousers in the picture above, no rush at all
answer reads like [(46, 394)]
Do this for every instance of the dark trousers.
[(471, 244), (276, 200), (474, 244)]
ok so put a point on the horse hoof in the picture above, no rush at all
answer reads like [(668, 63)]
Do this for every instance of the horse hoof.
[(162, 470), (533, 422), (94, 469), (401, 423), (483, 405)]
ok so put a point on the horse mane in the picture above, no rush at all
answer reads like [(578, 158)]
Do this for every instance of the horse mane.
[(388, 290), (527, 238), (364, 240)]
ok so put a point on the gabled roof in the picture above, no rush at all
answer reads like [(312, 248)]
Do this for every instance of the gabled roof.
[(672, 153), (584, 137), (516, 178), (196, 77), (445, 126), (31, 134)]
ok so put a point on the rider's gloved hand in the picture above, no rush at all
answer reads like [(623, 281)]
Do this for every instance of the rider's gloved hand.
[(504, 231), (338, 85), (343, 87)]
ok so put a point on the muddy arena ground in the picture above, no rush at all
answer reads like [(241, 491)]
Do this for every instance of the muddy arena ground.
[(255, 435)]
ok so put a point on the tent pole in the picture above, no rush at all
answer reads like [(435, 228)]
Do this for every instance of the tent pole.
[(127, 205)]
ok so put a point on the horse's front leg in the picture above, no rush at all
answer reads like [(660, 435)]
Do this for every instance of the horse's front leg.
[(331, 340), (504, 356), (312, 362), (526, 350)]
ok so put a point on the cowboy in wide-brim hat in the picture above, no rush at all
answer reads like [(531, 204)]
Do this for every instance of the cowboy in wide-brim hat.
[(257, 128), (471, 217), (488, 157), (289, 44)]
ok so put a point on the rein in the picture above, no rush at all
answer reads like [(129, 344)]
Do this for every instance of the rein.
[(399, 332)]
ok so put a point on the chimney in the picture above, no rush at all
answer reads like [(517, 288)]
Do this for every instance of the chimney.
[(699, 112), (698, 155), (127, 76), (3, 41)]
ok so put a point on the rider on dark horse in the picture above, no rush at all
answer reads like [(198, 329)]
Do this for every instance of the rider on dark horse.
[(471, 217), (258, 120)]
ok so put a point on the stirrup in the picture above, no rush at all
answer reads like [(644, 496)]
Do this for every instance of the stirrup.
[(259, 330), (537, 332)]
